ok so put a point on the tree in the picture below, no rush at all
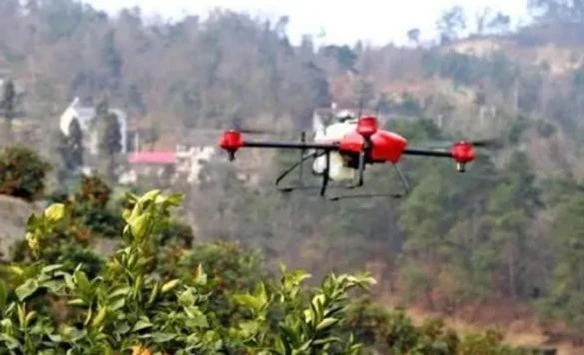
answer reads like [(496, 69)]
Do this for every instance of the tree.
[(75, 145), (110, 138), (22, 173), (499, 24), (452, 22), (565, 300), (511, 208), (112, 59), (414, 36), (70, 149), (8, 106)]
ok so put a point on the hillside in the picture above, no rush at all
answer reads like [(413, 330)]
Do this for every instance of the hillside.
[(502, 237)]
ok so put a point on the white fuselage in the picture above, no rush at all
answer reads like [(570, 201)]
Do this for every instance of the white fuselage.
[(337, 169)]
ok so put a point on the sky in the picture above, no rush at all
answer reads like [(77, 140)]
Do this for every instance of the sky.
[(377, 22)]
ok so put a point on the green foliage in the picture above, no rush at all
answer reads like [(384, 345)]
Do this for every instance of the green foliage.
[(71, 147), (126, 304), (468, 70), (93, 191), (22, 173), (8, 101), (565, 301)]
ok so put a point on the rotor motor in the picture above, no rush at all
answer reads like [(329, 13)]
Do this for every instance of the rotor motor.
[(462, 152)]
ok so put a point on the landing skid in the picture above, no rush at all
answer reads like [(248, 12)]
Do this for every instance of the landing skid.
[(326, 185)]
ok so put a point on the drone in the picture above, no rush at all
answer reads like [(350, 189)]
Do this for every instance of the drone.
[(341, 152)]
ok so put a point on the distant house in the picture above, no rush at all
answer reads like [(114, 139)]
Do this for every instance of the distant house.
[(183, 163), (85, 116)]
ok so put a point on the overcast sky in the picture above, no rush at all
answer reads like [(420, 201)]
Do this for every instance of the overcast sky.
[(343, 21)]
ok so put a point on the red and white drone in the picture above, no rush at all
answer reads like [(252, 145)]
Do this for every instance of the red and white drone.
[(341, 151)]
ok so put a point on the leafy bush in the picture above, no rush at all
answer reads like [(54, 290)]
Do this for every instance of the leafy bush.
[(126, 306), (22, 173)]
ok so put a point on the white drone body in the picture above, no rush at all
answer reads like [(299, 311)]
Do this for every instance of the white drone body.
[(324, 134)]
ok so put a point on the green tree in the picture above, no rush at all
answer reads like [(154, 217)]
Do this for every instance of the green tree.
[(8, 107), (110, 139), (112, 59), (22, 173), (452, 22), (565, 299), (71, 147), (511, 208)]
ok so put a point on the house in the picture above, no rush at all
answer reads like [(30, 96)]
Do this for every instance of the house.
[(85, 115), (183, 163)]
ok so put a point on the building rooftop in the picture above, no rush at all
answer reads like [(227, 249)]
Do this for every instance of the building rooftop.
[(163, 158)]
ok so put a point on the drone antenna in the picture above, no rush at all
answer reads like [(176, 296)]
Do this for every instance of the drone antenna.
[(378, 106), (361, 100)]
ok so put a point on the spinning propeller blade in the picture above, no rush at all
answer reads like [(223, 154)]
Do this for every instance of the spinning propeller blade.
[(481, 143)]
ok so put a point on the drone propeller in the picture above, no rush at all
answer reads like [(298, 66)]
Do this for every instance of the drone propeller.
[(482, 143)]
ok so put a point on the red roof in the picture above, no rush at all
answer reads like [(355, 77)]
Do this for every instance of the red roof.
[(152, 158)]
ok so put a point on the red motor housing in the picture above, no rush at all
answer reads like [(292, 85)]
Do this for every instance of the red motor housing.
[(367, 126), (462, 152), (231, 141)]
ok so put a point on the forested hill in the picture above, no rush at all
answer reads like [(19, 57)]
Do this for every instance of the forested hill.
[(232, 67), (504, 238)]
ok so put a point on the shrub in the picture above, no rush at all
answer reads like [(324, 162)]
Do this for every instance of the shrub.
[(127, 306), (22, 173)]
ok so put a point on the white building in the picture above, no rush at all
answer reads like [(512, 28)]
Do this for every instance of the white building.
[(84, 116)]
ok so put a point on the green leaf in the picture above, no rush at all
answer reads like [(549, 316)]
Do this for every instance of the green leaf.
[(77, 302), (186, 299), (26, 289), (169, 285), (3, 295), (55, 212), (153, 293), (327, 323), (142, 323), (139, 226), (123, 291), (175, 199), (11, 342), (16, 270), (100, 317), (50, 268), (248, 300), (201, 278), (118, 304), (55, 338), (327, 341), (82, 282), (29, 317), (149, 196), (163, 337)]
